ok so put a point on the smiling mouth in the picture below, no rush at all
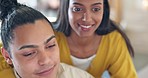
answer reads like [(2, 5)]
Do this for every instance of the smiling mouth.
[(85, 27), (45, 71)]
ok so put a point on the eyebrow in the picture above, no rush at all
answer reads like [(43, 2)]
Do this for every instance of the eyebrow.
[(35, 46), (49, 39), (77, 3), (98, 3), (28, 46)]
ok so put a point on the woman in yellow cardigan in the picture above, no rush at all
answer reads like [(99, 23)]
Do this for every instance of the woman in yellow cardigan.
[(90, 41)]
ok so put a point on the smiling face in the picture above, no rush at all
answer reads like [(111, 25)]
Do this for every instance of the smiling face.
[(34, 50), (85, 16)]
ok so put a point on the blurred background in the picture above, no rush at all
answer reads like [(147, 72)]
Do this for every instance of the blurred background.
[(132, 15)]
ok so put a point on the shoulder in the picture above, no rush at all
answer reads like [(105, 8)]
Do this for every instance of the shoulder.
[(115, 34), (115, 44), (73, 72), (113, 37), (59, 35)]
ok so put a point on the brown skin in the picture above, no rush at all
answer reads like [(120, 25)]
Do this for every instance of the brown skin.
[(34, 51), (84, 17)]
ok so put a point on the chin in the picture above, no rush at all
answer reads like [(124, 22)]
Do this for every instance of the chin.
[(86, 35)]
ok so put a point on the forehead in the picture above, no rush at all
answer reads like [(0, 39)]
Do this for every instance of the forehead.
[(33, 32), (39, 25)]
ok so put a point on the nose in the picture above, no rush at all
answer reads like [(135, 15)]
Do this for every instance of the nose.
[(86, 17), (44, 58)]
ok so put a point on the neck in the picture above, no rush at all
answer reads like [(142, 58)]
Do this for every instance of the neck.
[(83, 47), (83, 41)]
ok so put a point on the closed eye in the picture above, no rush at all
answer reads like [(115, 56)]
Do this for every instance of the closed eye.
[(50, 46), (28, 54)]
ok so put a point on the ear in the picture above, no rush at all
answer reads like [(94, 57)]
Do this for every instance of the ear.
[(6, 55)]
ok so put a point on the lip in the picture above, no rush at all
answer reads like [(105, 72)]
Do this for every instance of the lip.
[(85, 27), (45, 72)]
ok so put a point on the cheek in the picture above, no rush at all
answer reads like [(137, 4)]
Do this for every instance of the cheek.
[(24, 67), (26, 70), (99, 18), (101, 15), (55, 55), (70, 16), (74, 19)]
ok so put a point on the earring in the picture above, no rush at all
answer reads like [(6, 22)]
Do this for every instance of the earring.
[(7, 60)]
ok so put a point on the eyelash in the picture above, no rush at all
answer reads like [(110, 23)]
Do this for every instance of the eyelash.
[(96, 9), (51, 46), (76, 9), (29, 54)]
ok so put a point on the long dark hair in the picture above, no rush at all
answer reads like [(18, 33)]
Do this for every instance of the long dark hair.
[(106, 26), (13, 15)]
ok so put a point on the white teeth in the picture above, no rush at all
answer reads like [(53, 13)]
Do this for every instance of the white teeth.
[(85, 26)]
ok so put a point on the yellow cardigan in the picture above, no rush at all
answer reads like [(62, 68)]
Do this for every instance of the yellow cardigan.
[(112, 55)]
